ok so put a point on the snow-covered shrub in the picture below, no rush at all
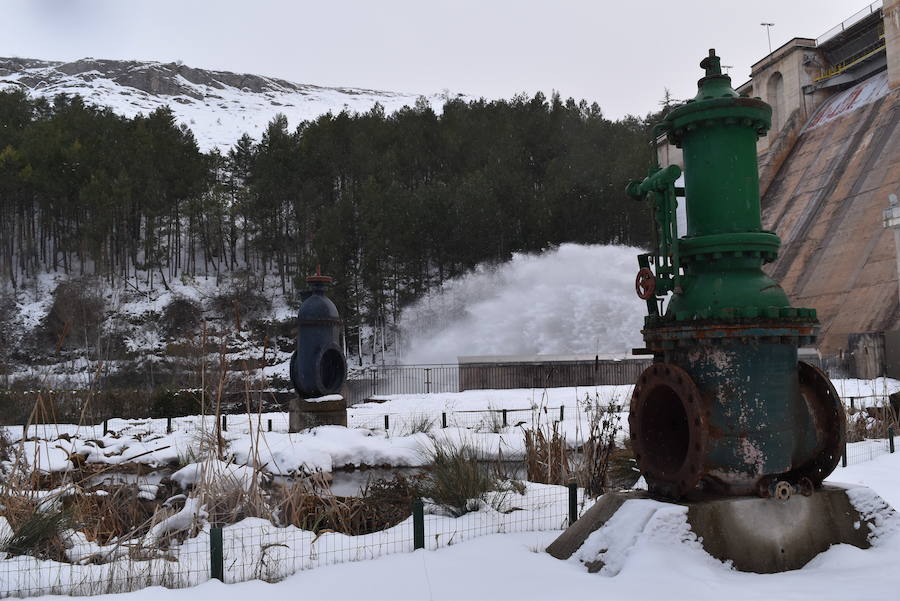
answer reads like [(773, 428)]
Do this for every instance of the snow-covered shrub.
[(181, 318), (242, 301), (106, 513), (75, 318)]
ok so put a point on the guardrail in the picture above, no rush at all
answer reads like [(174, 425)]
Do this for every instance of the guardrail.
[(849, 22)]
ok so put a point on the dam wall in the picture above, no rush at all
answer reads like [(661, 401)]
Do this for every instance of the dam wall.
[(825, 202)]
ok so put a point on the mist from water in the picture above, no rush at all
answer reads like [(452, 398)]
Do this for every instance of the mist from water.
[(574, 299)]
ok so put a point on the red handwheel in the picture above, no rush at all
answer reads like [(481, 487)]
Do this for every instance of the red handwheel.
[(645, 283)]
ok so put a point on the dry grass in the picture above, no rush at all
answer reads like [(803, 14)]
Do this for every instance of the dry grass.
[(384, 503), (37, 529), (600, 457), (870, 422), (456, 479), (110, 513), (546, 455)]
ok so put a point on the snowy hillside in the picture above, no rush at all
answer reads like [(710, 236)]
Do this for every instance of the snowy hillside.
[(218, 106)]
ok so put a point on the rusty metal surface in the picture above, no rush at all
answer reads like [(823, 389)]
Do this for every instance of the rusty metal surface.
[(829, 421), (668, 429), (825, 205), (720, 436)]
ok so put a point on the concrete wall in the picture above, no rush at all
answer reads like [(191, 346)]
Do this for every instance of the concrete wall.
[(779, 80), (867, 354), (826, 204), (892, 354), (549, 374), (892, 40)]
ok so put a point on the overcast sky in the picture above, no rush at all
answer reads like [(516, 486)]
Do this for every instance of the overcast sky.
[(620, 54)]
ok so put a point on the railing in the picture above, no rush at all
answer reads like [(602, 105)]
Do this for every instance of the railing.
[(259, 550), (849, 22), (842, 66), (385, 380)]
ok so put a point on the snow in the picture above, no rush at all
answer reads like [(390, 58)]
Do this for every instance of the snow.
[(222, 114), (182, 520), (325, 399), (327, 448), (646, 537), (474, 418), (214, 471), (664, 563)]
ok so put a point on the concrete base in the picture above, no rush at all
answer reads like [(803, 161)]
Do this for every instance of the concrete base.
[(755, 534), (306, 414)]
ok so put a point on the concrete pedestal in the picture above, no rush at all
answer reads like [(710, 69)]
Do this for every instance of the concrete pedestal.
[(755, 534), (329, 410)]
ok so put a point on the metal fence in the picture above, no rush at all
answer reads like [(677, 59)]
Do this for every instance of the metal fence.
[(259, 550), (383, 380), (850, 21)]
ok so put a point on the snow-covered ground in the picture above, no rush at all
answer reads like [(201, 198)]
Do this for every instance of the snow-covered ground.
[(415, 421), (665, 562), (511, 565)]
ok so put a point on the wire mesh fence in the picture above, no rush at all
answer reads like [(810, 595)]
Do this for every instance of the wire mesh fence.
[(257, 549), (868, 449), (103, 572)]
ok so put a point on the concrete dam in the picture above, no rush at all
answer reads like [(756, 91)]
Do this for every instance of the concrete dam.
[(825, 202), (829, 181)]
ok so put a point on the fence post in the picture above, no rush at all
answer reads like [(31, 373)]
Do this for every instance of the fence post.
[(427, 380), (844, 455), (891, 438), (168, 425), (418, 512), (387, 423), (270, 425), (216, 555), (851, 404), (105, 427), (443, 420), (573, 502), (224, 423), (374, 385), (504, 418), (562, 413)]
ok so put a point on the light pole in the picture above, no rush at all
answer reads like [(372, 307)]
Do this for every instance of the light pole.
[(768, 36)]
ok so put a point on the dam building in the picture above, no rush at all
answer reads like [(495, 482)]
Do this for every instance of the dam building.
[(829, 181)]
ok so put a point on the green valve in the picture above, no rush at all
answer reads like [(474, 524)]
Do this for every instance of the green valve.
[(726, 407)]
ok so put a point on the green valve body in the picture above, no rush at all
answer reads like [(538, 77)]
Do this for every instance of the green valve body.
[(726, 408)]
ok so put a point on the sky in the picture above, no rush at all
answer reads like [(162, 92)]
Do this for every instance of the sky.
[(622, 55)]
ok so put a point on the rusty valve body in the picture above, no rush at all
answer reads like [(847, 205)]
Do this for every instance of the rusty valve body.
[(726, 407)]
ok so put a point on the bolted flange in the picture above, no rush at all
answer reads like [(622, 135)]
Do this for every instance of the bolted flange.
[(668, 429)]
